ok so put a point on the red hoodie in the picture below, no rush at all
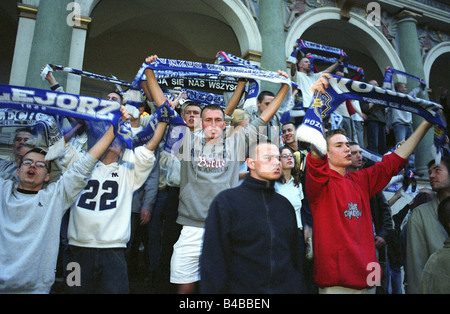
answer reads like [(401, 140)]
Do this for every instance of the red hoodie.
[(343, 235)]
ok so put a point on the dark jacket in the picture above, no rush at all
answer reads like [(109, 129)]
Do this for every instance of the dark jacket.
[(381, 215), (251, 242)]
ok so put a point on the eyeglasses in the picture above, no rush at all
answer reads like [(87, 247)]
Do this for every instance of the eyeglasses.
[(38, 164), (287, 156)]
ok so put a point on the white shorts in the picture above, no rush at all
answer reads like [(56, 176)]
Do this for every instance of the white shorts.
[(184, 266)]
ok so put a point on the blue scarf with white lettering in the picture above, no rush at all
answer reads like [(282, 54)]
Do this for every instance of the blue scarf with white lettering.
[(253, 87), (170, 68), (309, 47), (226, 66), (389, 73), (198, 97), (341, 89), (64, 104)]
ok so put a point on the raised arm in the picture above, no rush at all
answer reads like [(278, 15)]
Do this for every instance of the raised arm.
[(319, 86), (152, 144), (103, 143), (273, 107), (408, 147), (234, 100), (152, 86), (333, 67)]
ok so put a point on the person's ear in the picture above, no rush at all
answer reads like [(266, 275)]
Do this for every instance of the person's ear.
[(47, 178), (250, 163)]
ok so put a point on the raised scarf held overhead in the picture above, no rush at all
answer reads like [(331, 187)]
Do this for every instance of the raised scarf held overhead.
[(179, 68), (340, 89), (309, 47), (64, 104), (389, 74), (359, 71)]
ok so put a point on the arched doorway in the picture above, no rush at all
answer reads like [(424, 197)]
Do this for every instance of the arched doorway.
[(436, 68), (364, 44), (122, 35)]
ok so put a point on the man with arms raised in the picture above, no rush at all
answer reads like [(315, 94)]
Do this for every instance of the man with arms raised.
[(30, 217), (209, 164), (343, 237)]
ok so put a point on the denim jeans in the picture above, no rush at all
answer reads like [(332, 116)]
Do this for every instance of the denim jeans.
[(101, 270), (402, 132), (376, 137)]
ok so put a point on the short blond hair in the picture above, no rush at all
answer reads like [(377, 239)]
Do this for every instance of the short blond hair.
[(238, 117)]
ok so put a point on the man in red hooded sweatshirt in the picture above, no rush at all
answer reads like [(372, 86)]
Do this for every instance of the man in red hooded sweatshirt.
[(343, 236)]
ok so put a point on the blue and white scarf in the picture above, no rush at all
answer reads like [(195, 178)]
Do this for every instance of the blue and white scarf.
[(112, 79), (313, 58), (389, 73), (340, 89), (64, 104), (39, 123), (163, 113), (309, 47), (170, 68), (226, 66), (197, 96)]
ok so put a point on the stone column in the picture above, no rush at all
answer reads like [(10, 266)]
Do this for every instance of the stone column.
[(51, 41), (409, 49), (76, 57), (24, 39), (271, 26)]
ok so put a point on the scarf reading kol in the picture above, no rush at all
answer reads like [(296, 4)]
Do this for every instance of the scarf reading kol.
[(340, 89), (63, 104)]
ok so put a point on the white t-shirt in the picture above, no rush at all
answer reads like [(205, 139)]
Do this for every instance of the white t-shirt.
[(100, 217), (294, 195), (304, 82)]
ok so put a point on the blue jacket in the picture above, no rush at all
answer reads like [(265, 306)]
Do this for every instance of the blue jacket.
[(251, 242)]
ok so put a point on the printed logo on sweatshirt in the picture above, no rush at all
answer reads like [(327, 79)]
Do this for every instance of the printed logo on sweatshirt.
[(352, 211), (210, 163), (114, 175)]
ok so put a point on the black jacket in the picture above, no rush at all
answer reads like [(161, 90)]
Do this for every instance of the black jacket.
[(251, 242)]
